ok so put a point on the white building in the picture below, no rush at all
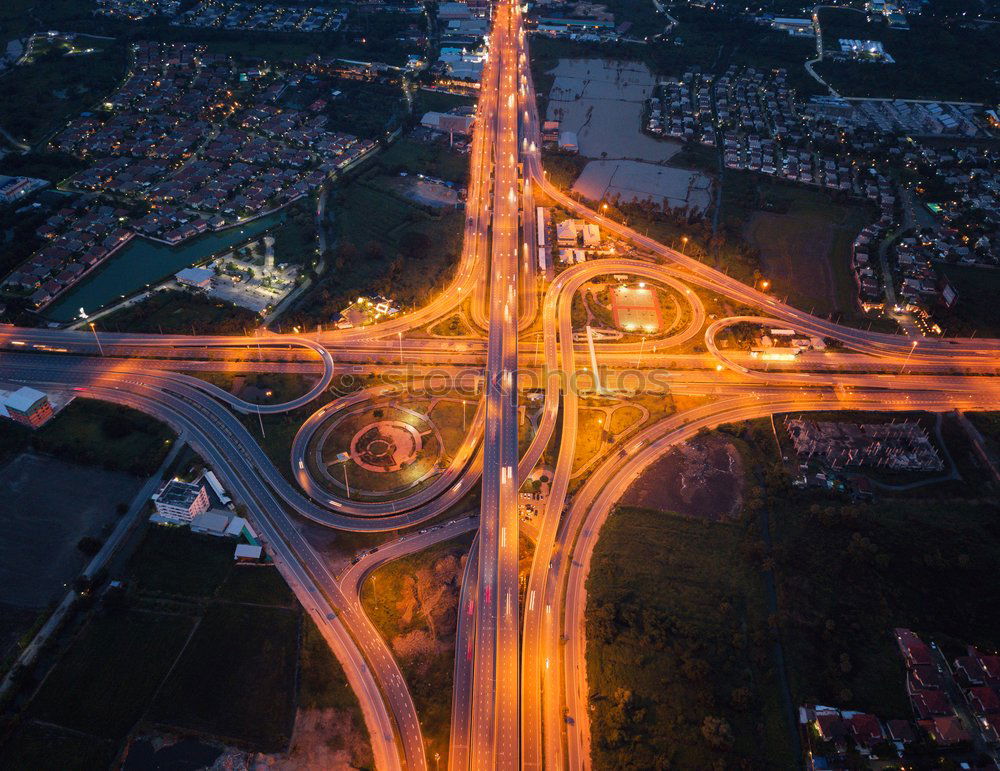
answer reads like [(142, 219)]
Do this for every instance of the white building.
[(246, 552), (447, 122), (591, 235), (180, 501), (211, 523), (199, 278)]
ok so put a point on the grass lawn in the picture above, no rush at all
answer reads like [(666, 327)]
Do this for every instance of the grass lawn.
[(591, 437), (413, 603), (256, 585), (95, 433), (39, 97), (103, 684), (439, 101), (677, 636), (447, 416), (178, 311), (241, 665)]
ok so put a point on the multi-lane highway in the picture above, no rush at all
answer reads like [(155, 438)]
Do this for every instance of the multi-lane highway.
[(515, 682), (493, 740)]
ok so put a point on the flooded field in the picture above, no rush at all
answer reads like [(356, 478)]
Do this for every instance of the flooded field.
[(635, 180), (602, 101)]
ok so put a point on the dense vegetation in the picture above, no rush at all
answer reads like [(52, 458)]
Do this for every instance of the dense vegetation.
[(180, 311), (684, 628)]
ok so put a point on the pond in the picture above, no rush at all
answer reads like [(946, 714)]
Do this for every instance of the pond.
[(142, 262)]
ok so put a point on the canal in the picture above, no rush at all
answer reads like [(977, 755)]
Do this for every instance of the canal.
[(142, 262)]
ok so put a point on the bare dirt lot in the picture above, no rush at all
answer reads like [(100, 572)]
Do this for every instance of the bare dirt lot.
[(702, 479), (47, 506)]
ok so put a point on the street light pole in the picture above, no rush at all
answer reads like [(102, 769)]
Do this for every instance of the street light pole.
[(346, 483), (642, 345), (94, 330), (907, 359), (399, 336), (261, 421)]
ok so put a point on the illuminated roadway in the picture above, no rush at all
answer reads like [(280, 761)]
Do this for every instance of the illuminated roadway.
[(493, 739), (502, 717)]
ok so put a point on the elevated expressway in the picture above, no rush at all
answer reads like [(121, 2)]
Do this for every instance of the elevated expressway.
[(508, 701)]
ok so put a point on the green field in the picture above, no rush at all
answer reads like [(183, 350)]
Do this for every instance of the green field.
[(385, 244), (257, 586), (435, 159), (196, 644), (37, 98), (49, 748), (241, 664), (439, 101), (804, 237), (95, 433), (208, 561), (103, 684)]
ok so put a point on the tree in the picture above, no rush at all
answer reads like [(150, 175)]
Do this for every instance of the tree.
[(89, 545), (415, 245), (717, 732)]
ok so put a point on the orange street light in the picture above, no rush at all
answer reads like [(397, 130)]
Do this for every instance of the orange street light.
[(913, 347), (94, 330)]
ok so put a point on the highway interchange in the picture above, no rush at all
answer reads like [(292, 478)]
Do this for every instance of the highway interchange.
[(520, 694)]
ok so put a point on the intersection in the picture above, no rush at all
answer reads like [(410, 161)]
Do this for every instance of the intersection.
[(520, 695)]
